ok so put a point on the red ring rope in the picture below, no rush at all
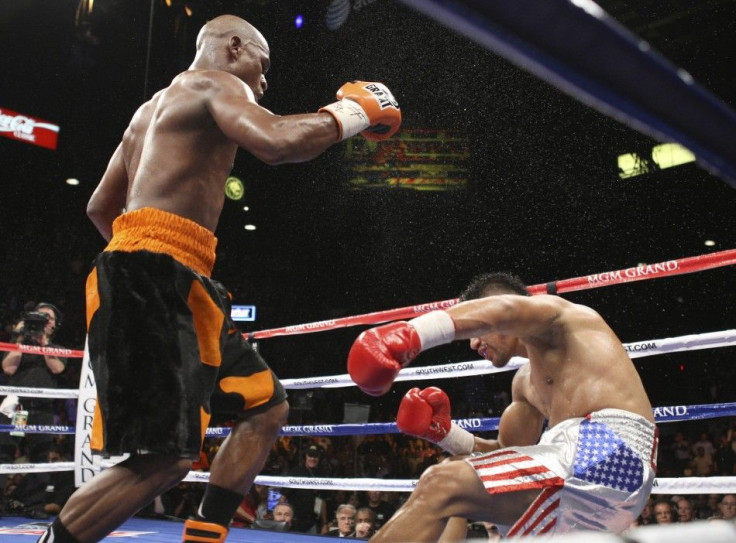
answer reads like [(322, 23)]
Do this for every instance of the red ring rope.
[(605, 279), (627, 275)]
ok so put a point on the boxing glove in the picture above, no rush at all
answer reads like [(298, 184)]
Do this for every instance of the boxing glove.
[(378, 354), (426, 414), (365, 108)]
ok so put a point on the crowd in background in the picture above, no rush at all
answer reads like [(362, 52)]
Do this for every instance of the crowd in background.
[(396, 456), (692, 448)]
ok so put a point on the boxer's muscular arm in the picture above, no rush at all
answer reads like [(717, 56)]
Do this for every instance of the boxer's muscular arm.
[(274, 139), (379, 353), (521, 423), (520, 316), (108, 199)]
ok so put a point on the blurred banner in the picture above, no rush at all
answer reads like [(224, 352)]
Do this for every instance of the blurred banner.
[(413, 159), (31, 130)]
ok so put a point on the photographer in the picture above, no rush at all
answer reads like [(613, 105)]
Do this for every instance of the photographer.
[(34, 370)]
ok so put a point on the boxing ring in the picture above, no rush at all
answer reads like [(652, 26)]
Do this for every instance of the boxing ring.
[(618, 76), (640, 349)]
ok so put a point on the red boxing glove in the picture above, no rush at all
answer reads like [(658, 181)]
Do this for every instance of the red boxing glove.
[(425, 414), (378, 354)]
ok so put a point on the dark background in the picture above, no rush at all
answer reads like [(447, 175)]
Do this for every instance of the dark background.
[(544, 199)]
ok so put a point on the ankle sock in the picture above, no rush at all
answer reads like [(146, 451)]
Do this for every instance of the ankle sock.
[(219, 505), (57, 533)]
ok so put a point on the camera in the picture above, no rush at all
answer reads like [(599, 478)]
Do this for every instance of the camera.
[(34, 323)]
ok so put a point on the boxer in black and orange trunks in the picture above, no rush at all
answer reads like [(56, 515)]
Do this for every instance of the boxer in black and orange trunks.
[(165, 354), (150, 294)]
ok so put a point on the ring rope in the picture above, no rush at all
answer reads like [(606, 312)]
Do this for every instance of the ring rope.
[(635, 350), (671, 413), (37, 349), (627, 275), (664, 485), (638, 349), (57, 393)]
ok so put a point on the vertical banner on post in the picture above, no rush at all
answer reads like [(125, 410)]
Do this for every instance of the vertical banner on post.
[(87, 464), (84, 468)]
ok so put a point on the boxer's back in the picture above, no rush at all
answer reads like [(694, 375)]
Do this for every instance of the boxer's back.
[(176, 157)]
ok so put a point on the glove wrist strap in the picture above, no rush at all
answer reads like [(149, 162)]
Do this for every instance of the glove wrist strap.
[(351, 118), (458, 441), (434, 328)]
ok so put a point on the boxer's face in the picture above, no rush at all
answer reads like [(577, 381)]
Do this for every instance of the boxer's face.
[(255, 62), (495, 347)]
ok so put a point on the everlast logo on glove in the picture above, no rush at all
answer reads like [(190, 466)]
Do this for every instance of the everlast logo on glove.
[(383, 95), (366, 108)]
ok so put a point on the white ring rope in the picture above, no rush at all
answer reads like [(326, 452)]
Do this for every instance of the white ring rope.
[(639, 349), (680, 485), (664, 485)]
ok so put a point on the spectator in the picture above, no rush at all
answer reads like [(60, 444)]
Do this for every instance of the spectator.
[(332, 501), (345, 521), (254, 506), (380, 507), (646, 516), (680, 449), (29, 496), (365, 523), (684, 510), (284, 512), (703, 510), (60, 487), (702, 463), (37, 327), (724, 457), (306, 501), (182, 500), (10, 485), (283, 518), (713, 501), (705, 442), (664, 513), (726, 508)]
